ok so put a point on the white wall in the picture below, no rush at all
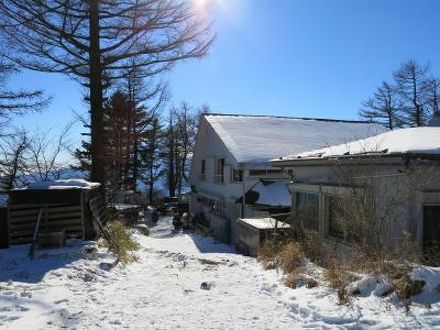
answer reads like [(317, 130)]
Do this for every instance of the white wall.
[(210, 147), (404, 190)]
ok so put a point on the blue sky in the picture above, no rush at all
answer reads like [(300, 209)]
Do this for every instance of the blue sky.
[(314, 58)]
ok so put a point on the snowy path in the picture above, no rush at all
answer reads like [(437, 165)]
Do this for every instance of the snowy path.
[(70, 288)]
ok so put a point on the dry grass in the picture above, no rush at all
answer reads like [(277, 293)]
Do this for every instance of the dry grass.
[(341, 268), (291, 256), (316, 250), (312, 283), (268, 253), (292, 280), (338, 279), (405, 288)]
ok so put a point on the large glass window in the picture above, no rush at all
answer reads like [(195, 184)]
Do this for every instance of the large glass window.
[(236, 175), (334, 216), (307, 209), (262, 172), (219, 171), (203, 170)]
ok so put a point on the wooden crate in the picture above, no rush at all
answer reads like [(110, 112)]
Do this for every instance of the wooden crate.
[(56, 217)]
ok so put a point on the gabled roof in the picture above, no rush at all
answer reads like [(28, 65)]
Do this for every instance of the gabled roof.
[(254, 139), (417, 141)]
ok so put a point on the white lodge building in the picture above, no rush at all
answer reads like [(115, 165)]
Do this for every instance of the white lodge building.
[(231, 160), (392, 179)]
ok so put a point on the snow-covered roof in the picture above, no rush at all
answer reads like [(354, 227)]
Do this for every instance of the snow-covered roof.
[(420, 141), (265, 223), (63, 184), (256, 139), (272, 193)]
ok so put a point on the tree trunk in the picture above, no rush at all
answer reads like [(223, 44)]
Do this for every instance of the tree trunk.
[(96, 96), (171, 174), (151, 185)]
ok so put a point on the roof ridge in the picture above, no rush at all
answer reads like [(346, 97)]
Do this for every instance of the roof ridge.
[(288, 117)]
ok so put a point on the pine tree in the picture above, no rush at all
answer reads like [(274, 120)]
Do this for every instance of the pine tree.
[(95, 41), (150, 155)]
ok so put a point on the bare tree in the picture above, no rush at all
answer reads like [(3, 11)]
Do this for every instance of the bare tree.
[(383, 107), (12, 150), (180, 136), (17, 102), (95, 41), (433, 91), (45, 155), (412, 86)]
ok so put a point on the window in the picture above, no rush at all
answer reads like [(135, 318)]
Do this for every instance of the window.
[(334, 216), (219, 171), (307, 209), (260, 172), (236, 175), (203, 170)]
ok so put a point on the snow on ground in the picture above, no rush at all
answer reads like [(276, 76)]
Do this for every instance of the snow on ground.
[(181, 281)]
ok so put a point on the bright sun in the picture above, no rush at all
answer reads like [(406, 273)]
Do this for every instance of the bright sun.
[(204, 4), (205, 7)]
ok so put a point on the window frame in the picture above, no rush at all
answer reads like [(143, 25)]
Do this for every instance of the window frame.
[(234, 174), (331, 226), (202, 174), (264, 171), (309, 225), (219, 171)]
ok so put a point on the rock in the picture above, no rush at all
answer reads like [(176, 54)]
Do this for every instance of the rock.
[(88, 277), (312, 283), (180, 257), (143, 229), (206, 285), (90, 250)]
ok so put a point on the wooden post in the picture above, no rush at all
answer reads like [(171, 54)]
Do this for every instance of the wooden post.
[(46, 220), (34, 238), (82, 216)]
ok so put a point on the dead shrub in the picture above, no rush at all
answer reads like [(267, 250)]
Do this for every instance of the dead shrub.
[(268, 253), (120, 241), (431, 256), (339, 279), (291, 257), (312, 283), (405, 288), (292, 280), (315, 249)]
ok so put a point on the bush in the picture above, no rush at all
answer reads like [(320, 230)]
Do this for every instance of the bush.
[(339, 279), (121, 242), (312, 283), (291, 257), (292, 280), (268, 253), (315, 249), (405, 288)]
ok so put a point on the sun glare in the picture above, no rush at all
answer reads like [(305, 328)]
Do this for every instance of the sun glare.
[(202, 5), (205, 6), (230, 10)]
